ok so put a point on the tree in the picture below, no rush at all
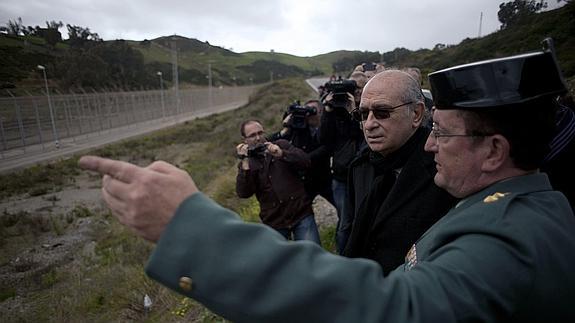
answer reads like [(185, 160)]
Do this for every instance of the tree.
[(511, 13), (439, 46), (54, 25), (78, 36)]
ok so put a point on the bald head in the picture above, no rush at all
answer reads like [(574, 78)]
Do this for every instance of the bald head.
[(399, 94), (397, 83)]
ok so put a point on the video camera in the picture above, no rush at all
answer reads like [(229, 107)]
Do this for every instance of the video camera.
[(340, 88), (257, 151), (298, 114)]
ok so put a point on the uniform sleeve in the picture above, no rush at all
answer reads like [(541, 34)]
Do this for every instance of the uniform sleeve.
[(248, 273)]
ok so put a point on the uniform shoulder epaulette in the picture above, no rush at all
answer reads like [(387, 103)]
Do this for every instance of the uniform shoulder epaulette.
[(494, 197)]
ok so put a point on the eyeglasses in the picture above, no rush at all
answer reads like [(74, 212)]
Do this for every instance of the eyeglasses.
[(361, 114), (436, 133)]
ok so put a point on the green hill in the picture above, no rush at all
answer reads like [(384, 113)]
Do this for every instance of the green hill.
[(134, 64)]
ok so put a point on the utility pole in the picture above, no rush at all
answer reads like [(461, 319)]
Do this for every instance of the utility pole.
[(480, 22), (175, 76)]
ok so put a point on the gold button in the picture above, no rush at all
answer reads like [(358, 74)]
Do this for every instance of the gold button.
[(186, 284)]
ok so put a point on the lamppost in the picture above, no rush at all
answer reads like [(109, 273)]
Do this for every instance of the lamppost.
[(210, 84), (54, 131), (162, 94)]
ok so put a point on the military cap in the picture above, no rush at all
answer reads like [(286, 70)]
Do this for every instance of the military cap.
[(504, 82)]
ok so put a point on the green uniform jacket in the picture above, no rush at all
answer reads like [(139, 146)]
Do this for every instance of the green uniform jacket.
[(504, 254)]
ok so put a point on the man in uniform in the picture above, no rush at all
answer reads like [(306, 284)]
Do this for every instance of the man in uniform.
[(503, 254)]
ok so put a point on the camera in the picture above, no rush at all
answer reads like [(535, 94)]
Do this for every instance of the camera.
[(368, 67), (340, 88), (257, 151), (298, 114)]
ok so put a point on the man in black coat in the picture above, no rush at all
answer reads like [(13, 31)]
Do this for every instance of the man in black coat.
[(392, 195)]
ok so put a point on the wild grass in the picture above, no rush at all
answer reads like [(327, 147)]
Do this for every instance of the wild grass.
[(40, 179)]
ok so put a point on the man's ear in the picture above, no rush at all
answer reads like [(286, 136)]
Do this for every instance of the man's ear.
[(497, 150), (418, 115)]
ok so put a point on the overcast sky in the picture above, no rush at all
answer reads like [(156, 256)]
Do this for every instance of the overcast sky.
[(298, 27)]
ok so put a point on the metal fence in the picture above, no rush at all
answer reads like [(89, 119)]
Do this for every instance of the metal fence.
[(47, 120)]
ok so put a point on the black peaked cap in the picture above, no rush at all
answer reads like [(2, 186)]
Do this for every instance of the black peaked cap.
[(504, 82)]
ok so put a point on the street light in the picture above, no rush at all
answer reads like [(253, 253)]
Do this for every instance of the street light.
[(54, 131), (162, 94), (210, 84)]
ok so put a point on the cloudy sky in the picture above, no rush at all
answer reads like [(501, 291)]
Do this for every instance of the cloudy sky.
[(298, 27)]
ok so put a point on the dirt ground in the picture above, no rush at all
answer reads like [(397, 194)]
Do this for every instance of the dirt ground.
[(34, 254)]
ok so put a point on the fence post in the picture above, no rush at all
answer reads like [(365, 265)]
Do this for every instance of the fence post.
[(20, 125), (37, 120), (66, 117), (107, 106), (5, 147), (78, 107)]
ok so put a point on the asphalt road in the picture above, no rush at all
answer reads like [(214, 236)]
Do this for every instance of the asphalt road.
[(316, 82)]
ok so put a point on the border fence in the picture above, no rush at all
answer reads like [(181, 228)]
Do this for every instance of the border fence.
[(48, 119)]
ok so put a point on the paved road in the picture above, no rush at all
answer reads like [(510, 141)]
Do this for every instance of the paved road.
[(15, 159), (316, 82)]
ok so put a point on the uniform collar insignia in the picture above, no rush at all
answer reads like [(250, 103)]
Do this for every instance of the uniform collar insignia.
[(494, 197), (410, 259)]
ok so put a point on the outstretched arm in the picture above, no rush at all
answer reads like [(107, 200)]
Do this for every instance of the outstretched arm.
[(142, 198)]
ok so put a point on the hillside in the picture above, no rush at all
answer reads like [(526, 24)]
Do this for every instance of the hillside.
[(131, 64)]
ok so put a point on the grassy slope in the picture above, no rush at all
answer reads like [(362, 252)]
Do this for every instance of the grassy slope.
[(109, 284)]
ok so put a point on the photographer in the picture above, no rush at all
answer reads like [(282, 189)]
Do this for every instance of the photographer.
[(343, 137), (270, 171), (301, 128)]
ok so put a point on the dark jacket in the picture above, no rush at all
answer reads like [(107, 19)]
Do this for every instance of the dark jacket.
[(560, 162), (343, 137), (277, 186), (317, 178), (392, 213)]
